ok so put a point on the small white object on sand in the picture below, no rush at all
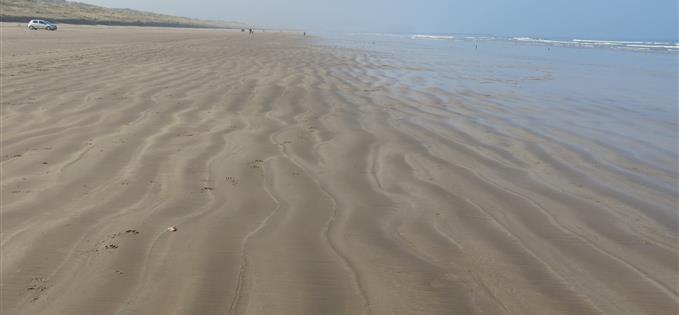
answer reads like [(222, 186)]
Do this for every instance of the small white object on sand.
[(172, 229)]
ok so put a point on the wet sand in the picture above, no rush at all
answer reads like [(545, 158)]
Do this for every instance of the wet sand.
[(304, 179)]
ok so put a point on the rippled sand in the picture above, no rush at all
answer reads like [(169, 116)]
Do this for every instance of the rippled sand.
[(304, 179)]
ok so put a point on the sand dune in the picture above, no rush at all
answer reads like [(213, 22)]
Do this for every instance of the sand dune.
[(304, 179)]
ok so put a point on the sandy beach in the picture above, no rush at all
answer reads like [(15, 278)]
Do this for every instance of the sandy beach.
[(305, 179)]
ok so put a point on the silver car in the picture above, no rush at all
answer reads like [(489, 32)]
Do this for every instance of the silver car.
[(41, 24)]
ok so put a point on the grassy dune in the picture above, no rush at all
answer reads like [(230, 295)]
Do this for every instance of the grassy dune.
[(80, 13)]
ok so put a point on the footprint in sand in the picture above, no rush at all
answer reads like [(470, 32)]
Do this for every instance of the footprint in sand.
[(37, 285), (232, 180), (112, 242), (256, 164)]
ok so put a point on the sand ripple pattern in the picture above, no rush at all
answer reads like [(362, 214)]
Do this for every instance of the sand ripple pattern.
[(305, 179)]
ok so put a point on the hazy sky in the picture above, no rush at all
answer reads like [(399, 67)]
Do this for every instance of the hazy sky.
[(598, 19)]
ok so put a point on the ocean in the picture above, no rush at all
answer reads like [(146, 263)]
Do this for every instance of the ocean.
[(615, 94)]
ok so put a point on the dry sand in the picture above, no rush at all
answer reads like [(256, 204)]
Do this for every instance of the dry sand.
[(302, 180)]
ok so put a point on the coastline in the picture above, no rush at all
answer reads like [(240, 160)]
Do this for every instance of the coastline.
[(304, 178)]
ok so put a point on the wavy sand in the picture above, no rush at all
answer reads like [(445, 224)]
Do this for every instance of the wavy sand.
[(304, 180)]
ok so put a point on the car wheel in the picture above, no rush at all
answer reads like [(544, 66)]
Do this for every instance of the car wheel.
[(31, 28)]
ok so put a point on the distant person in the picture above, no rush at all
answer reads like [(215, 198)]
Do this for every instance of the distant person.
[(304, 34), (251, 32)]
